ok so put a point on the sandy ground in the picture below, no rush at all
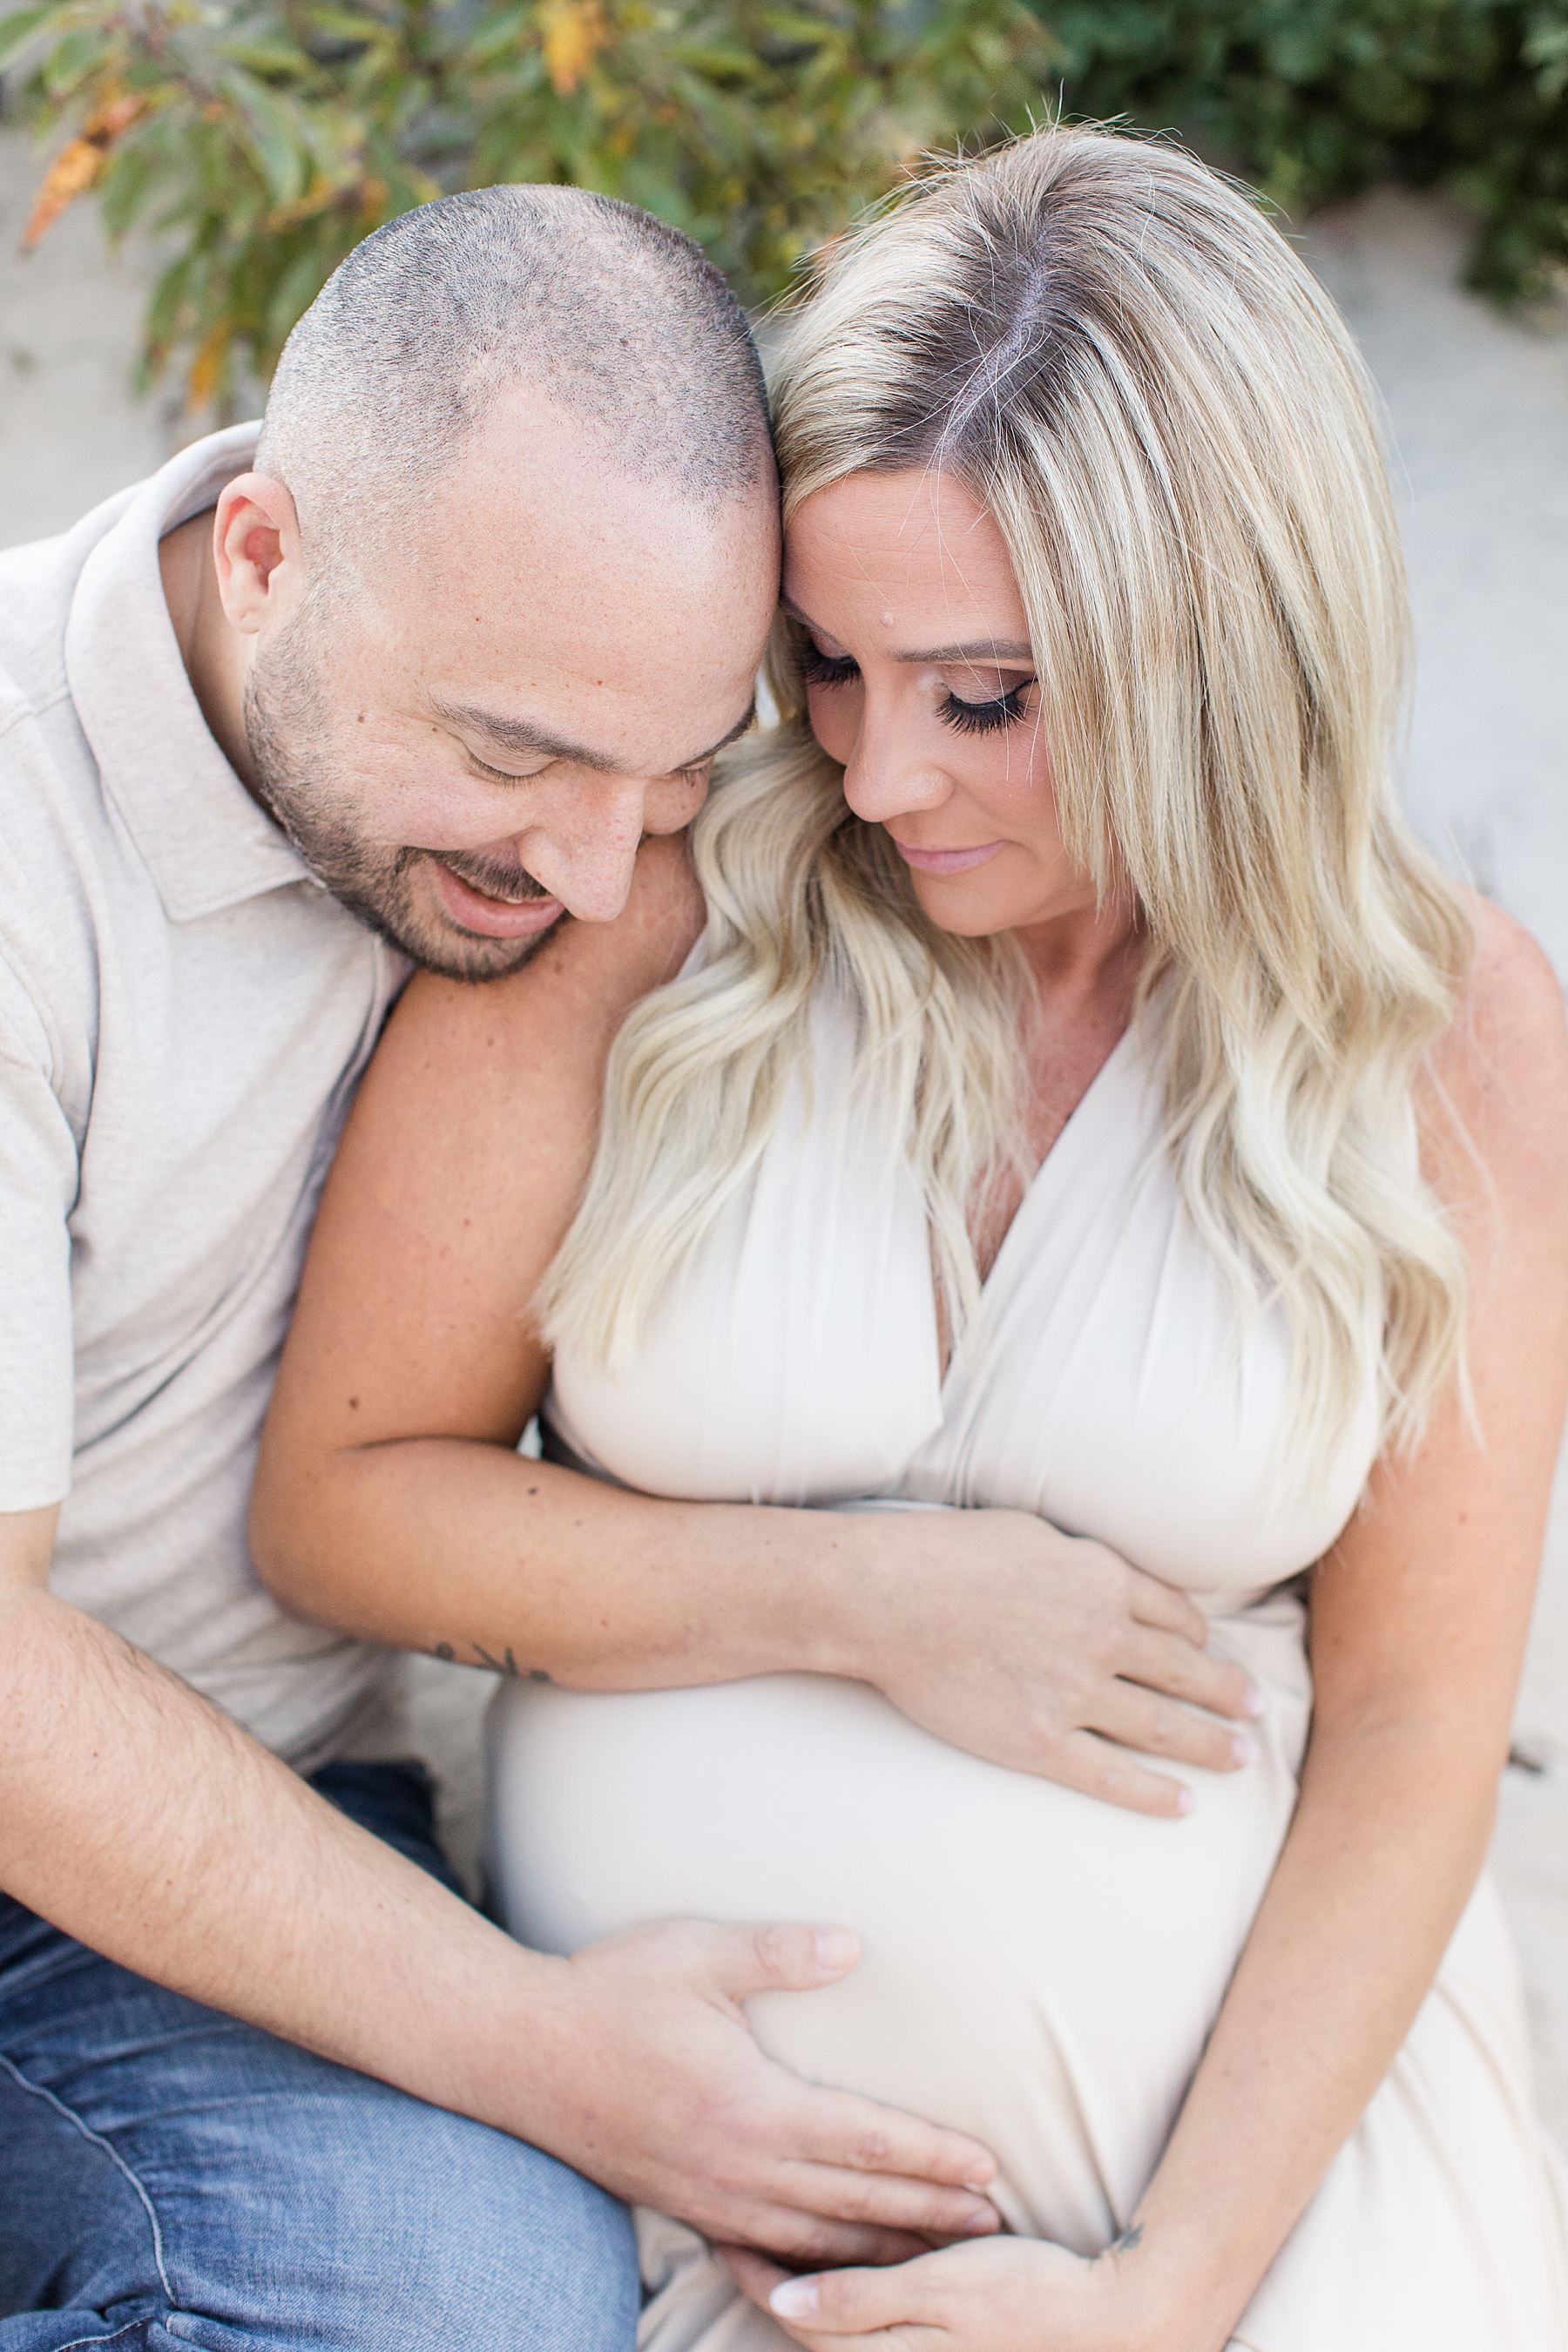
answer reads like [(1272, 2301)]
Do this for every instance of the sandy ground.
[(1478, 419)]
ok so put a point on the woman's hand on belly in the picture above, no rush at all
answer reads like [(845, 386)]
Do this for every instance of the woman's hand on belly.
[(1004, 2294), (1047, 1654)]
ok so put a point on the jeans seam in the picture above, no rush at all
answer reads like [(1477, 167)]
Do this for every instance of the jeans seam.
[(96, 2139), (78, 2342)]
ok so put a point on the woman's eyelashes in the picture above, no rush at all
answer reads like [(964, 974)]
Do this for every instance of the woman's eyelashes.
[(986, 718), (818, 668)]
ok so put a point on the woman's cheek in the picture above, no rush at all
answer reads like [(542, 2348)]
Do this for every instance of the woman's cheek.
[(831, 713)]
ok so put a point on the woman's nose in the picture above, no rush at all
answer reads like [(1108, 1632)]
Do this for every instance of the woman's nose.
[(891, 771)]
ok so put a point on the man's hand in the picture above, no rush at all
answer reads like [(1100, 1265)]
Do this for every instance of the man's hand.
[(138, 1818), (1038, 1650), (664, 2096)]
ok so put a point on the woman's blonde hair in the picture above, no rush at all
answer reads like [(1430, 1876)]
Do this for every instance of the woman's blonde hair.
[(1128, 365)]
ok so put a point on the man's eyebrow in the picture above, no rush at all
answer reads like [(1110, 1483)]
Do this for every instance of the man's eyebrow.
[(987, 649), (515, 734)]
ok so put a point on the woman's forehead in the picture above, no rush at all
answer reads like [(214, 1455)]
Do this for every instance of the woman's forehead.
[(894, 550)]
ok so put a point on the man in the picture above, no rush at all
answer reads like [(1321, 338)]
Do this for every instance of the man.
[(410, 681), (204, 736)]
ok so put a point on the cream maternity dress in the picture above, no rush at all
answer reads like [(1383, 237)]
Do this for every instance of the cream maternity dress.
[(1039, 1968)]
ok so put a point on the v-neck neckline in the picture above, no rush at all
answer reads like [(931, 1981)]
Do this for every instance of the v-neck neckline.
[(1030, 1192)]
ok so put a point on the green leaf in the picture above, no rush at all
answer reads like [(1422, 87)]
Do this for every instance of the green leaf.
[(18, 32), (282, 154)]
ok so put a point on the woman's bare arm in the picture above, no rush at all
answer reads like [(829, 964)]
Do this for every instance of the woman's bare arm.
[(1419, 1623), (390, 1500)]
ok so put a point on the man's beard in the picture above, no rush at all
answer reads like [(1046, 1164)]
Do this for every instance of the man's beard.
[(285, 709)]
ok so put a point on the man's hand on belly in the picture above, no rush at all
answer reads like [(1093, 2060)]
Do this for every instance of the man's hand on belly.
[(661, 2094)]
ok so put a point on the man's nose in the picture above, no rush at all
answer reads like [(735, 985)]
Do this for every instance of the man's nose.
[(587, 862)]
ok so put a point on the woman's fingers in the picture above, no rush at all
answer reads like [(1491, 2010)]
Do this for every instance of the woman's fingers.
[(1099, 1769), (832, 2318), (1167, 1662), (1154, 1725), (1154, 1602)]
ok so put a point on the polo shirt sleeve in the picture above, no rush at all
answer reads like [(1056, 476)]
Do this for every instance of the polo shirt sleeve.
[(38, 1193)]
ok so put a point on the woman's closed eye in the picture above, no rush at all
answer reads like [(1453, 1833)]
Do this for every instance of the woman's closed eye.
[(818, 668), (986, 717), (967, 717)]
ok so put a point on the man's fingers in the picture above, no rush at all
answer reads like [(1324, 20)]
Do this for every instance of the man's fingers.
[(884, 2147), (1167, 1662), (806, 2241), (1142, 1719), (774, 1959), (882, 2200)]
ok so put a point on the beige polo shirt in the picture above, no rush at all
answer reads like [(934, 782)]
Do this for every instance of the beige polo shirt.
[(184, 1014)]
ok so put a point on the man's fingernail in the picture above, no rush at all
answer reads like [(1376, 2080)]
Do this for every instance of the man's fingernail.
[(980, 2225), (795, 2299), (1256, 1701), (835, 1949), (978, 2188), (1186, 1801), (1243, 1750)]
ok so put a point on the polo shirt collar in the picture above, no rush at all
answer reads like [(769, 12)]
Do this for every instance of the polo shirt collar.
[(207, 843)]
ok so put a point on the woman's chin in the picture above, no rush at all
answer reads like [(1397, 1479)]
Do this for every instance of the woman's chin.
[(964, 905)]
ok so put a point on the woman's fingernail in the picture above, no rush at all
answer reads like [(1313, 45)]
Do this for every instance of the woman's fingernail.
[(983, 2225), (837, 1948), (795, 2299), (1243, 1750), (1186, 1801), (1256, 1701)]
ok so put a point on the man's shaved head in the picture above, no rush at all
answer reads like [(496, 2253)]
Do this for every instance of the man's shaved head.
[(596, 306), (502, 575)]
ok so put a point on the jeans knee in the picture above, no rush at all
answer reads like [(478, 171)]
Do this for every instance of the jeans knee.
[(468, 2242)]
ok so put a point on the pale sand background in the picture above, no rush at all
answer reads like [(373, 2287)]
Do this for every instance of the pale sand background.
[(1477, 410)]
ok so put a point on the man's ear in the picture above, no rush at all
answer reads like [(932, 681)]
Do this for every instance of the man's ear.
[(256, 549)]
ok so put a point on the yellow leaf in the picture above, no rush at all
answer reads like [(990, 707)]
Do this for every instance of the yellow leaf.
[(202, 382), (78, 164), (571, 33)]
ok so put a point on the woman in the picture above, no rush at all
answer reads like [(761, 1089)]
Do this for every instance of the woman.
[(1084, 1100)]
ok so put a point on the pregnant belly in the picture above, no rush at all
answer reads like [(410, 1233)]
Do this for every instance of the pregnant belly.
[(1037, 1968)]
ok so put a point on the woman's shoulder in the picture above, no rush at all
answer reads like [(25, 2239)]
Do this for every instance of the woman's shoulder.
[(1502, 1065)]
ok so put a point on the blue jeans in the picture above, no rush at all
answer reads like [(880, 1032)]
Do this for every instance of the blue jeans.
[(169, 2177)]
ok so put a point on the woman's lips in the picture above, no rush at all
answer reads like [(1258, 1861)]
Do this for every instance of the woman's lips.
[(497, 919), (945, 861)]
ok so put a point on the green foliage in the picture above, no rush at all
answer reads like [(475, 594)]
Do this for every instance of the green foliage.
[(1316, 98), (263, 138), (272, 134)]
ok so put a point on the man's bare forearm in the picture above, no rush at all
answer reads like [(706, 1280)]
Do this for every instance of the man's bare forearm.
[(142, 1822)]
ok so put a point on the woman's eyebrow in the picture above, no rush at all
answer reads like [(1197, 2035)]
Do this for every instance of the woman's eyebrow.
[(989, 650)]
